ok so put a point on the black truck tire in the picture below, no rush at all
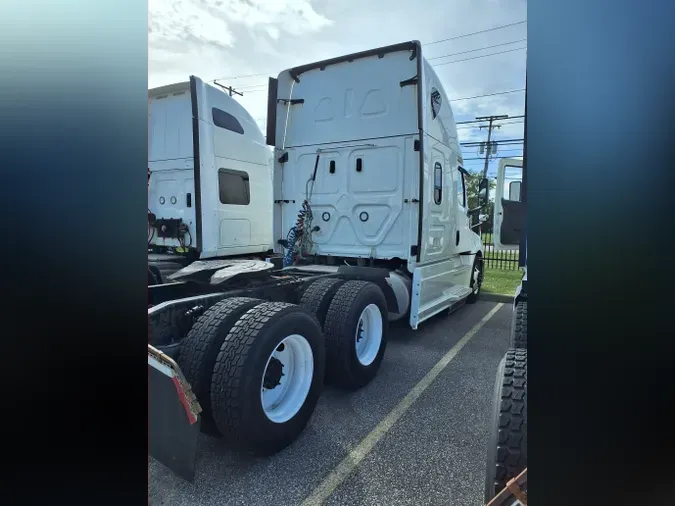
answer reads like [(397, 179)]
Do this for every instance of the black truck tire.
[(507, 450), (477, 266), (200, 349), (519, 326), (355, 305), (318, 296), (240, 377)]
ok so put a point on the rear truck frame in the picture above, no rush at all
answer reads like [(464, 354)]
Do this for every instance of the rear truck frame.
[(506, 476), (368, 211), (198, 331)]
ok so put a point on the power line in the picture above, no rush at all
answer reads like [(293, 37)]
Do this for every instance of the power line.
[(489, 146), (479, 49), (229, 89), (452, 100), (520, 150), (501, 145), (502, 141), (433, 65), (493, 158), (479, 56), (248, 86), (425, 44), (487, 95), (506, 122), (483, 121), (476, 33), (469, 127)]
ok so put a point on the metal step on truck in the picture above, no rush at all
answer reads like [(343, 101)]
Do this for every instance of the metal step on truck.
[(506, 476), (369, 217)]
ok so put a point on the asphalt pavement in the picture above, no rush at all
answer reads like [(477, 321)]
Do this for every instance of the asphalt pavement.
[(359, 447)]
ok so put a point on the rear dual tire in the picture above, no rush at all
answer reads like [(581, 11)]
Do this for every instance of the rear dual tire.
[(272, 346), (353, 315), (356, 329), (257, 368), (228, 357), (317, 297), (200, 349)]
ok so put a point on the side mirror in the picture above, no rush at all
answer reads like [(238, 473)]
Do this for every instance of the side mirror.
[(483, 192), (483, 218)]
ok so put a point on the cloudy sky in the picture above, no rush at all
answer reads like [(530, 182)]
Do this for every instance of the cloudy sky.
[(243, 42)]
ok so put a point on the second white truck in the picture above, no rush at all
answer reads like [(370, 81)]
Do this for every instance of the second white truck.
[(209, 178)]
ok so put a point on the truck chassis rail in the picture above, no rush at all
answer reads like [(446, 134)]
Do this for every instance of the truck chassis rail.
[(175, 307)]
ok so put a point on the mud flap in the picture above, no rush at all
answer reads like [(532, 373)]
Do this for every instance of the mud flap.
[(173, 416)]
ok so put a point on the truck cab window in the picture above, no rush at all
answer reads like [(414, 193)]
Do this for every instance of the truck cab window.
[(461, 190), (438, 183), (225, 120), (234, 187)]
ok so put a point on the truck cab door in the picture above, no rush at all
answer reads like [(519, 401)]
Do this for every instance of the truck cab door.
[(509, 211)]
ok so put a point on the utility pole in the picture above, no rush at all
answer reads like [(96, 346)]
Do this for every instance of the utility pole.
[(229, 89), (489, 126)]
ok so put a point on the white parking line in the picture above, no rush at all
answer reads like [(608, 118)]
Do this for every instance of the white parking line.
[(354, 458)]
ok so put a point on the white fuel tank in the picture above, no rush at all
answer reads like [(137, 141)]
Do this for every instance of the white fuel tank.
[(401, 284)]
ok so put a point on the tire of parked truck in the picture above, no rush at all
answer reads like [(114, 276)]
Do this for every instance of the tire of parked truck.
[(476, 280), (200, 349), (318, 296), (519, 326), (356, 329), (507, 450), (268, 377)]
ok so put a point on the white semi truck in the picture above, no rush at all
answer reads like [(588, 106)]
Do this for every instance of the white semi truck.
[(370, 224), (212, 201)]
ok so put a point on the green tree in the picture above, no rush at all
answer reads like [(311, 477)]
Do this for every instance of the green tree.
[(472, 181)]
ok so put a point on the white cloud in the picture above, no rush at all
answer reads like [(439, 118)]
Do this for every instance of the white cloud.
[(204, 22), (291, 16), (186, 21)]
